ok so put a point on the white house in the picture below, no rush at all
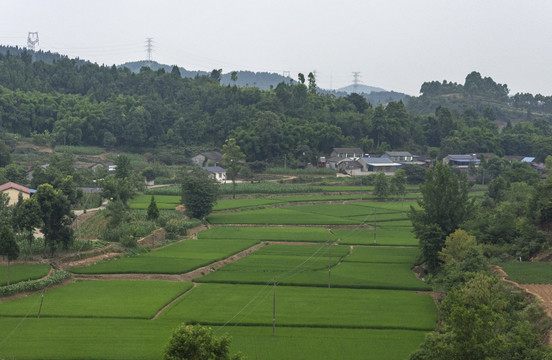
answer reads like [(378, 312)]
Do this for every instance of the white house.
[(216, 172)]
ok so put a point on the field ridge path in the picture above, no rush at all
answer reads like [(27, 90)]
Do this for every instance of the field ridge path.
[(173, 301)]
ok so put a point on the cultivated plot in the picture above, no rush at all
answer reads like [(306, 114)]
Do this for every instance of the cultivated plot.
[(313, 266), (526, 272), (88, 338), (292, 234), (218, 304), (102, 299), (177, 258), (23, 272)]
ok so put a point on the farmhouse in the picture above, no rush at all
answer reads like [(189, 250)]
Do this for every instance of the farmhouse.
[(13, 190), (207, 158), (380, 164), (461, 161), (350, 166), (338, 154), (399, 156), (216, 172)]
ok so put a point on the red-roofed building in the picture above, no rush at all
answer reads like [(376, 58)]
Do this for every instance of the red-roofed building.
[(13, 190)]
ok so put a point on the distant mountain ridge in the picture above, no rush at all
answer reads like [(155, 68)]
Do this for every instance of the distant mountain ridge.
[(359, 89), (261, 80)]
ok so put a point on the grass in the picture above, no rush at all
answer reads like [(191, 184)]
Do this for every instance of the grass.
[(305, 306), (528, 272), (23, 272), (162, 201), (268, 188), (318, 214), (307, 265), (82, 338), (108, 298), (303, 234), (177, 258), (119, 339), (386, 234)]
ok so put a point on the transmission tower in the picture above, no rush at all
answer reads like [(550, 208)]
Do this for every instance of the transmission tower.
[(32, 40), (356, 77), (149, 50)]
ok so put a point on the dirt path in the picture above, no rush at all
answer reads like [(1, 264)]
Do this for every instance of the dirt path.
[(172, 302)]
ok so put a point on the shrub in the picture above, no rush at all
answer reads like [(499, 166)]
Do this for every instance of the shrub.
[(33, 285), (175, 228)]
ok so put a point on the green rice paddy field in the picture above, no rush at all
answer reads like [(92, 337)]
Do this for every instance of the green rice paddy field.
[(376, 308), (22, 272), (526, 272)]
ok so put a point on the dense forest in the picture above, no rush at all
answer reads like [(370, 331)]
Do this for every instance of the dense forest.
[(74, 102)]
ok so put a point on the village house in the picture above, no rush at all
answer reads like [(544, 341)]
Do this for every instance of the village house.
[(461, 161), (13, 190), (207, 158), (216, 172), (338, 154), (380, 164), (399, 156)]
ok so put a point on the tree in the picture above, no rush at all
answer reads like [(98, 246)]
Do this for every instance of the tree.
[(196, 342), (153, 211), (381, 186), (5, 154), (456, 246), (26, 218), (123, 169), (312, 83), (445, 205), (8, 246), (398, 183), (232, 156), (117, 189), (199, 193), (56, 216), (301, 78)]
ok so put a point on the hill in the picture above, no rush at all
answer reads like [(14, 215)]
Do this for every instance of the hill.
[(261, 80), (360, 89)]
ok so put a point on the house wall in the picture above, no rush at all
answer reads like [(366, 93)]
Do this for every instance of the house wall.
[(13, 194)]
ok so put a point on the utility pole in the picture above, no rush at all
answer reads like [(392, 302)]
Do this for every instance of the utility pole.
[(375, 225), (274, 312), (32, 40), (41, 301), (149, 50), (330, 265)]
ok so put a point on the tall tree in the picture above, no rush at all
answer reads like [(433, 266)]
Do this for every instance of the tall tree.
[(8, 246), (56, 216), (312, 83), (232, 157), (444, 206), (153, 211), (199, 193), (381, 186), (26, 218)]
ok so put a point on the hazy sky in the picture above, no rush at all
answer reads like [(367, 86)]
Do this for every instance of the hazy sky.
[(394, 44)]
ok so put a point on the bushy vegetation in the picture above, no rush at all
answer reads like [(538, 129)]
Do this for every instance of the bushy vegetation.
[(57, 277)]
